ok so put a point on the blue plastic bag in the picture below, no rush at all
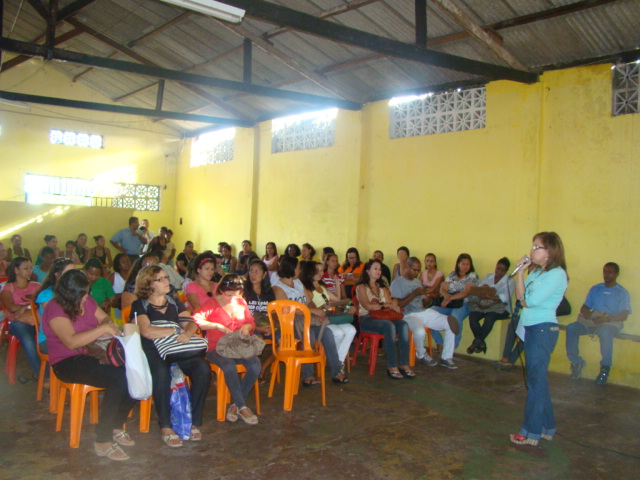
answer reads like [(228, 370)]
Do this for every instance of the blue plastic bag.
[(180, 404)]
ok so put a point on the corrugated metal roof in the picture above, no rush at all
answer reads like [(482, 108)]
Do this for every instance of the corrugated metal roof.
[(199, 44)]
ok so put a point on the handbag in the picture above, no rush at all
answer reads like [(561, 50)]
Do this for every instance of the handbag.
[(457, 303), (180, 402), (236, 345), (340, 318), (386, 314), (172, 350), (564, 308)]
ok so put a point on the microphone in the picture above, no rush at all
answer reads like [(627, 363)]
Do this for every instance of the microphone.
[(519, 267)]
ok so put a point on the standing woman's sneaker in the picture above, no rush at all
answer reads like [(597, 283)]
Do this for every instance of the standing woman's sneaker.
[(603, 376)]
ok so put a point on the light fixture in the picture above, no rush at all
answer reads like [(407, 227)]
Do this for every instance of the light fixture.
[(211, 7), (13, 103)]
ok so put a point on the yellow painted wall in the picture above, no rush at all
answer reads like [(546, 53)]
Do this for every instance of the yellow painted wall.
[(136, 151)]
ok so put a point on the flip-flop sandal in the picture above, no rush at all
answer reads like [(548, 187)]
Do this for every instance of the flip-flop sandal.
[(123, 439), (177, 441), (252, 420), (114, 452), (407, 373), (232, 416), (311, 383), (196, 434)]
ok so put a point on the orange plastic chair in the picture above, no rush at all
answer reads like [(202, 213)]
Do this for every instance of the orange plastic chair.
[(412, 347), (54, 383), (12, 351), (78, 394), (145, 414), (223, 396), (290, 353), (126, 313)]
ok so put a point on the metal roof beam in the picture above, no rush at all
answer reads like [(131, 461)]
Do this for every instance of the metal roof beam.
[(309, 24), (20, 59), (104, 107), (25, 48)]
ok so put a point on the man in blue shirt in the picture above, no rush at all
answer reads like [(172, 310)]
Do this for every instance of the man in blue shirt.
[(129, 240), (604, 311), (409, 293)]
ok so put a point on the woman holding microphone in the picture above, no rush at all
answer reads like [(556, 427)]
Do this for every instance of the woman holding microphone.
[(540, 296)]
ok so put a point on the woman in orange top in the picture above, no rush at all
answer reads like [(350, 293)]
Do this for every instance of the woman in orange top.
[(351, 269)]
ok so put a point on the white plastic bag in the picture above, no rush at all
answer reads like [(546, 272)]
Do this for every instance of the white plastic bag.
[(138, 372)]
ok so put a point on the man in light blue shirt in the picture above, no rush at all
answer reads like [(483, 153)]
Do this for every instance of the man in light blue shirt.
[(129, 240), (604, 311)]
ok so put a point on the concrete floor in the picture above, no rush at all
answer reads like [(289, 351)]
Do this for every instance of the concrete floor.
[(442, 425)]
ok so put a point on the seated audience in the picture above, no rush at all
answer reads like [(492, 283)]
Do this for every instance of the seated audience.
[(170, 250), (154, 303), (202, 288), (333, 281), (102, 252), (410, 295), (101, 290), (289, 287), (431, 279), (245, 257), (258, 293), (326, 251), (319, 300), (128, 294), (71, 321), (50, 241), (224, 313), (292, 250), (121, 267), (271, 257), (490, 306), (16, 296), (16, 249), (386, 273), (603, 313), (81, 248), (229, 262), (351, 269), (308, 253), (398, 269), (184, 257), (373, 295), (454, 290), (70, 252), (47, 256)]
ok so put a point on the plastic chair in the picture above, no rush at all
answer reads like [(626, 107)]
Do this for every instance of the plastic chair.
[(78, 394), (54, 383), (290, 353), (126, 313), (412, 347), (12, 351), (223, 396)]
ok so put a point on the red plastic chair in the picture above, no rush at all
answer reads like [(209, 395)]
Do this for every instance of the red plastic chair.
[(12, 351), (290, 353), (223, 396)]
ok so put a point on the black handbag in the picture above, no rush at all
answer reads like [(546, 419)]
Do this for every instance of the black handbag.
[(564, 308)]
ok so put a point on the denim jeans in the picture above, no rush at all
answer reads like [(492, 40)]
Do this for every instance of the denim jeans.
[(390, 330), (540, 341), (239, 389), (330, 350), (116, 403), (513, 347), (27, 335), (481, 332), (606, 334), (460, 314)]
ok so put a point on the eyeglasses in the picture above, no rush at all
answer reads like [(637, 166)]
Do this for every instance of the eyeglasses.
[(536, 247), (162, 279)]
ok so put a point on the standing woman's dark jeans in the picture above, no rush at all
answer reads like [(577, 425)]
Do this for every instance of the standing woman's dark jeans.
[(239, 389), (116, 403), (198, 371), (481, 332), (389, 330)]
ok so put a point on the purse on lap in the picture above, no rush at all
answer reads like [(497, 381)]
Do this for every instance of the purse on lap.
[(170, 349)]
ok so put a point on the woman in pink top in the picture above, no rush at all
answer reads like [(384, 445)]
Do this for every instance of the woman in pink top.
[(71, 321), (15, 297), (202, 288), (431, 278), (224, 313)]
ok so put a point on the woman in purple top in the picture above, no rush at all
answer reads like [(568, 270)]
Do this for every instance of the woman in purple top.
[(71, 321)]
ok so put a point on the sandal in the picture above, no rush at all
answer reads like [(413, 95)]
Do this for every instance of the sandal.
[(522, 440), (314, 382), (123, 438), (114, 452), (395, 375), (341, 378), (251, 419), (261, 380), (232, 416), (173, 440), (196, 434), (407, 372)]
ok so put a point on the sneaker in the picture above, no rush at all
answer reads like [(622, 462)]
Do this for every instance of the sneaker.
[(430, 361), (576, 369), (448, 364), (603, 376)]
